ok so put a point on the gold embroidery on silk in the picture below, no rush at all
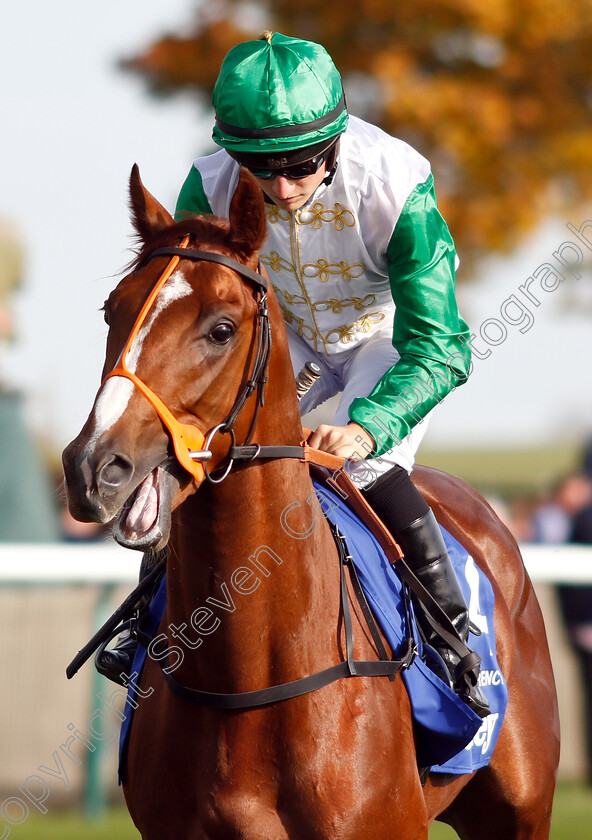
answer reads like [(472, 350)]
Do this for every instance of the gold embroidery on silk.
[(275, 215), (290, 298), (322, 271), (303, 329), (317, 214), (346, 332), (334, 304), (276, 263), (339, 305)]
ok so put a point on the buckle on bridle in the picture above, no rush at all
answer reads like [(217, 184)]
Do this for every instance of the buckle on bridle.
[(221, 427)]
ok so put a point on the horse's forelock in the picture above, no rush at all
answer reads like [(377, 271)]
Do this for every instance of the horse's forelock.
[(202, 230)]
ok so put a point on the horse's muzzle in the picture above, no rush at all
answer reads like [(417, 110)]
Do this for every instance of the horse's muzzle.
[(108, 486), (96, 489)]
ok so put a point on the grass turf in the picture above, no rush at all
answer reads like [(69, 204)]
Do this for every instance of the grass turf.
[(572, 820), (572, 816)]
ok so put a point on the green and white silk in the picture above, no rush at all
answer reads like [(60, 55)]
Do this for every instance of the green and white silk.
[(369, 250)]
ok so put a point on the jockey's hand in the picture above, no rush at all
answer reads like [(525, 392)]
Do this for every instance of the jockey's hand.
[(351, 441)]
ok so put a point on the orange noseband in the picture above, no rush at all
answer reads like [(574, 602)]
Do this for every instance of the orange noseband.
[(188, 440)]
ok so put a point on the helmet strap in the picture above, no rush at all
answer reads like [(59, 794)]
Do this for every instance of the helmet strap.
[(331, 165)]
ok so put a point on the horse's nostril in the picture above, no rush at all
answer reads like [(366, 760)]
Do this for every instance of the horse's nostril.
[(117, 471)]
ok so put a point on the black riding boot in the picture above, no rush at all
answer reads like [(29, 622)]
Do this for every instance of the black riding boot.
[(116, 663), (407, 515)]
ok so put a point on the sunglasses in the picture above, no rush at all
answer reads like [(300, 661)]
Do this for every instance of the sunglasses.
[(295, 172)]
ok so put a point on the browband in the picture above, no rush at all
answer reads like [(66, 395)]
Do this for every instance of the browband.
[(210, 256)]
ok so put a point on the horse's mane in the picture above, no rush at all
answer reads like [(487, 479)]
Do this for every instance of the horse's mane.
[(202, 230)]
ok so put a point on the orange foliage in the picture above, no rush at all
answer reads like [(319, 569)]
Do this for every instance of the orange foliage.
[(497, 95)]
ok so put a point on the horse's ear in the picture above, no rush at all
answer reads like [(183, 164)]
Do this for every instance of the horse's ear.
[(148, 215), (247, 214)]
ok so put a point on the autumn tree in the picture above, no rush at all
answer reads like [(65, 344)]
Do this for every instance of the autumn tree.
[(497, 95)]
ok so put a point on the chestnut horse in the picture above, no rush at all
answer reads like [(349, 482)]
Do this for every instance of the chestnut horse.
[(338, 762)]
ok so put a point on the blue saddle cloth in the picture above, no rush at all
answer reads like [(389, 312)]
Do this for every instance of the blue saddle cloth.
[(449, 736)]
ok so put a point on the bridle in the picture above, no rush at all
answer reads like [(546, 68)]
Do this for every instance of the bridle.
[(192, 451), (192, 447)]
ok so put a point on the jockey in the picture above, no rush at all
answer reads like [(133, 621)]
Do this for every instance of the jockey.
[(363, 266)]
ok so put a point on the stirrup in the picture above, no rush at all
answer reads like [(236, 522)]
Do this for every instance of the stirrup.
[(116, 663), (461, 678), (475, 700), (436, 664), (467, 682)]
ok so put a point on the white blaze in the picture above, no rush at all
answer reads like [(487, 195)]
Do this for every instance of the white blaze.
[(116, 392)]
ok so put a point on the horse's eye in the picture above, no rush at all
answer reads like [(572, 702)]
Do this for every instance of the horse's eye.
[(105, 313), (222, 333)]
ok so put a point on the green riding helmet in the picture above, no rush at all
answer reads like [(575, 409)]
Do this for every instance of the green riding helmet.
[(278, 101)]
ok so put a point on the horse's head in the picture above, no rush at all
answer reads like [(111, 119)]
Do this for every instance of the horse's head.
[(186, 340)]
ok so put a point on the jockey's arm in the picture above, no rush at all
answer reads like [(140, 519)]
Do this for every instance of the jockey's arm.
[(429, 333)]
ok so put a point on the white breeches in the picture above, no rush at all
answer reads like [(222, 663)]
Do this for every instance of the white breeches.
[(354, 373)]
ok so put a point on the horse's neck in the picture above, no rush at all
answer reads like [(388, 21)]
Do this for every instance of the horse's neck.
[(253, 559), (254, 552)]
